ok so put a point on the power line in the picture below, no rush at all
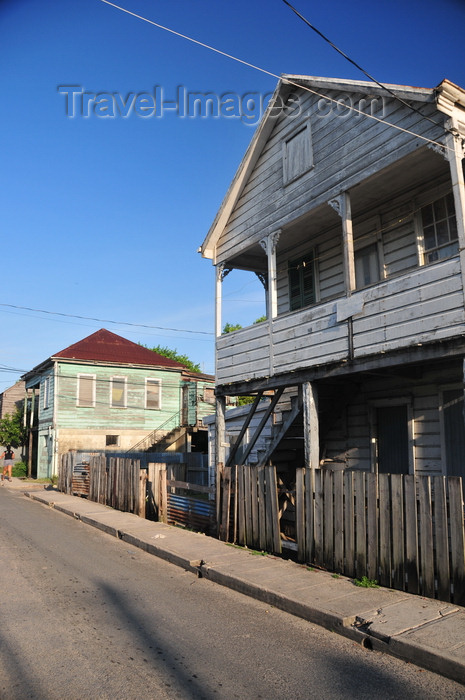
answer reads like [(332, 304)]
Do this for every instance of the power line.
[(274, 75), (370, 77), (106, 320)]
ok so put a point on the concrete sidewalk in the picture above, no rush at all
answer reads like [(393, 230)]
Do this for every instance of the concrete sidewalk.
[(426, 632)]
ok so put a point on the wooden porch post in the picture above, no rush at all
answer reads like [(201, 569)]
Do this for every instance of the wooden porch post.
[(310, 412), (341, 206), (220, 449), (455, 155), (269, 245)]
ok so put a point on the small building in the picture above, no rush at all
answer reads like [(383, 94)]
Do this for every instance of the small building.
[(107, 393), (12, 398)]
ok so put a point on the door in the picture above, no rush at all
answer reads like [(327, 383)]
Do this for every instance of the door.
[(392, 427)]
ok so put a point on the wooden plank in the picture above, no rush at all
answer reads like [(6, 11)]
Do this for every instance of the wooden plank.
[(360, 524), (163, 497), (241, 532), (457, 539), (441, 538), (372, 525), (397, 520), (426, 536), (349, 522), (254, 507), (248, 496), (300, 514), (271, 480), (261, 508), (225, 491), (411, 535), (328, 519), (309, 480), (338, 486), (384, 530), (142, 493), (196, 488), (319, 515)]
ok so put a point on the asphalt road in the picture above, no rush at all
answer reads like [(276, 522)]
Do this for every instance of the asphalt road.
[(86, 616)]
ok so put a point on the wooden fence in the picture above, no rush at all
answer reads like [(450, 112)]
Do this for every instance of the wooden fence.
[(249, 507), (112, 481), (405, 531)]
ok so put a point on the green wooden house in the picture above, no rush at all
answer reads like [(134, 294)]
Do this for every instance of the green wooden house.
[(108, 393)]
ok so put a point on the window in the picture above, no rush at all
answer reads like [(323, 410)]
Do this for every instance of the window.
[(152, 393), (302, 282), (297, 154), (111, 440), (439, 229), (366, 266), (86, 390), (118, 392), (46, 396)]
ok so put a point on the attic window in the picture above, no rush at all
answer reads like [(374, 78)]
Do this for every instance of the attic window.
[(297, 154)]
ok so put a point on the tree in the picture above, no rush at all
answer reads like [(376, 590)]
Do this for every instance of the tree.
[(175, 355), (230, 327), (12, 430)]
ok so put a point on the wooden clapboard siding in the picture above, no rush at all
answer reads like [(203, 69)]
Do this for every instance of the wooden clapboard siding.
[(425, 305), (363, 145), (243, 353), (134, 415)]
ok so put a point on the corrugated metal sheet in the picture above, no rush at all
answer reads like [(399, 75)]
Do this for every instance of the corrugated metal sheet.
[(195, 513)]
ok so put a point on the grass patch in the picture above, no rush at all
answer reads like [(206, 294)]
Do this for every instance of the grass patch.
[(366, 582), (336, 575)]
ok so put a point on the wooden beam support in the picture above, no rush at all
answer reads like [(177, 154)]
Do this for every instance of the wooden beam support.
[(246, 424), (261, 425), (293, 413)]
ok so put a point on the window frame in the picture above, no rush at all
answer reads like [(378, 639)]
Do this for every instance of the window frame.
[(425, 252), (298, 264), (46, 393), (125, 391), (114, 442), (93, 378), (148, 382)]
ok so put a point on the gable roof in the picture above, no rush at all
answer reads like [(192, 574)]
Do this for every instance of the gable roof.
[(104, 346), (445, 93)]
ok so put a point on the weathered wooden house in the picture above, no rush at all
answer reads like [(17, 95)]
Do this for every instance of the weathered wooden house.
[(108, 393), (349, 206)]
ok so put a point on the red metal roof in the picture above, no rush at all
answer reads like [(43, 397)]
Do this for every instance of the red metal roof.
[(104, 346)]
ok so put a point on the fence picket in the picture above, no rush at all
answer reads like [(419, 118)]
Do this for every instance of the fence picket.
[(457, 539), (411, 535), (426, 537), (384, 530), (397, 520), (441, 538)]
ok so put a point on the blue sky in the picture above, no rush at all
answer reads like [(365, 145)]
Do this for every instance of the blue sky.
[(102, 217)]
